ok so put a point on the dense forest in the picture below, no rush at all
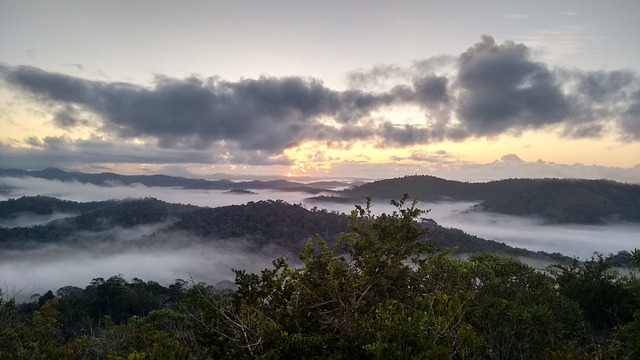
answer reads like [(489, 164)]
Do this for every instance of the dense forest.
[(381, 290), (109, 179), (554, 200), (261, 223), (557, 201)]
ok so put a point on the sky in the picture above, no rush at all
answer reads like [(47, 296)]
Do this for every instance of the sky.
[(465, 90)]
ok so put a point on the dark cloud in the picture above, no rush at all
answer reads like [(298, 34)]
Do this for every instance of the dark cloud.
[(431, 91), (601, 100), (502, 89), (630, 121), (266, 114), (602, 86), (494, 88), (402, 135), (67, 117), (586, 130), (488, 90)]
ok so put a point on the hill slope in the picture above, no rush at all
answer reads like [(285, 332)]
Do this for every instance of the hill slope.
[(555, 200), (262, 223)]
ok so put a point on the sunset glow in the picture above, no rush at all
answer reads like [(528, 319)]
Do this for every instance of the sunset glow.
[(298, 98)]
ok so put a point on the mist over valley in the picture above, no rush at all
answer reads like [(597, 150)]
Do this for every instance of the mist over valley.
[(84, 232)]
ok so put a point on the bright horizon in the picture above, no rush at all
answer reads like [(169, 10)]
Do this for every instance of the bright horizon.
[(463, 91)]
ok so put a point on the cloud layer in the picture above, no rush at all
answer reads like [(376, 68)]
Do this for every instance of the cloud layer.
[(489, 90)]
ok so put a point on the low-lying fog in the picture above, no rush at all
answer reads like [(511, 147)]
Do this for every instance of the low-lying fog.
[(36, 271), (24, 273)]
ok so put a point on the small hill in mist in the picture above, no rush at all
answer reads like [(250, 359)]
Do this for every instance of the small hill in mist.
[(108, 179), (558, 201), (262, 224), (554, 200)]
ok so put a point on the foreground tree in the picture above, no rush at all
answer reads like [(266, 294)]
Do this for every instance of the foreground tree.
[(606, 299), (381, 291), (362, 297), (518, 311)]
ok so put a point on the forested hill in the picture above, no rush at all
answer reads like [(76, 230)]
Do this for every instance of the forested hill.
[(262, 224), (431, 188), (47, 205), (555, 200), (387, 295), (107, 179)]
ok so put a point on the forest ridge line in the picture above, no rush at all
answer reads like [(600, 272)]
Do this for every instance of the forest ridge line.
[(559, 201)]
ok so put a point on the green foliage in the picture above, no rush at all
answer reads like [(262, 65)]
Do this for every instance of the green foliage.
[(262, 223), (351, 306), (563, 201), (555, 200), (606, 299), (631, 333), (40, 337), (380, 291), (517, 309), (635, 258), (163, 334), (432, 328), (45, 205)]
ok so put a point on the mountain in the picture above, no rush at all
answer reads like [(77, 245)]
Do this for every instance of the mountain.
[(107, 179), (555, 200), (46, 205), (262, 224), (571, 201)]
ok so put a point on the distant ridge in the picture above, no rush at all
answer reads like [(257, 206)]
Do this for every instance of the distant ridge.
[(262, 224), (554, 200), (107, 179)]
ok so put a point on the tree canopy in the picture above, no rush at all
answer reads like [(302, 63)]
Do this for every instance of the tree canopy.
[(381, 291)]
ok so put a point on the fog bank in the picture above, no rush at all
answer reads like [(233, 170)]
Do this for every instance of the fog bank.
[(135, 252), (24, 273)]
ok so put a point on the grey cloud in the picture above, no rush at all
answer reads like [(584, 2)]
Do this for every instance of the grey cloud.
[(433, 159), (502, 89), (439, 157), (376, 77), (65, 152), (33, 141), (600, 98), (67, 117), (630, 121), (433, 64), (602, 86), (56, 142), (511, 158), (497, 88), (346, 132), (383, 76), (402, 135), (488, 90), (587, 130), (431, 91), (266, 114)]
